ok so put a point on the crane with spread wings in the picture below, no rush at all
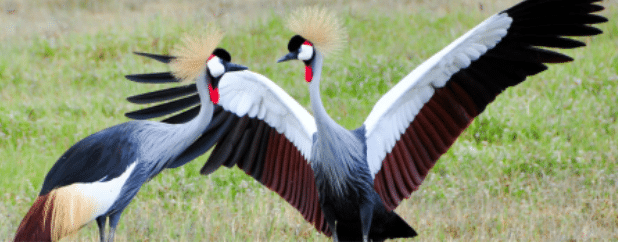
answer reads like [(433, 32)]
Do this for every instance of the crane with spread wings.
[(347, 182)]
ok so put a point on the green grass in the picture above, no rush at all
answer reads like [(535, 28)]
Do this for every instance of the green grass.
[(539, 164)]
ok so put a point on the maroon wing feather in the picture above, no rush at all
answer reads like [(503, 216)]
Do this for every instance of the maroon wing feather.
[(453, 107), (270, 158)]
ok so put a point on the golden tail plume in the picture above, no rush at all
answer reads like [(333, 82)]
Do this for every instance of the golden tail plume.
[(56, 215)]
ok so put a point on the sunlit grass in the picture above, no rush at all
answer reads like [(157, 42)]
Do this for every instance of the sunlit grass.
[(538, 164)]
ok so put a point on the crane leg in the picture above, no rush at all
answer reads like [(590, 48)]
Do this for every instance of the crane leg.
[(113, 222), (333, 228), (366, 215), (101, 223), (331, 221), (335, 237)]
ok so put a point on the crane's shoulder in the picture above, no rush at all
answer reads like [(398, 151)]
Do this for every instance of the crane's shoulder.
[(101, 156)]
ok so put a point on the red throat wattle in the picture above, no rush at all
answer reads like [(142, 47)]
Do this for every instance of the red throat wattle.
[(308, 73), (308, 69), (214, 94)]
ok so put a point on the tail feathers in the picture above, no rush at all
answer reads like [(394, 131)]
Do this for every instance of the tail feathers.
[(396, 227), (56, 215), (35, 226)]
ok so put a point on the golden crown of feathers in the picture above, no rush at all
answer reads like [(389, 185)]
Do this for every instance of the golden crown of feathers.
[(192, 53), (320, 26)]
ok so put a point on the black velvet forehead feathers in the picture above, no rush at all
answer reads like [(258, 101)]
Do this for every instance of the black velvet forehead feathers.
[(223, 54), (295, 43)]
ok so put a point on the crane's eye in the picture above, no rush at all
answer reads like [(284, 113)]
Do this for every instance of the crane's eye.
[(215, 66)]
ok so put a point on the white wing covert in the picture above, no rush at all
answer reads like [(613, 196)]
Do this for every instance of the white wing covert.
[(394, 112), (252, 94)]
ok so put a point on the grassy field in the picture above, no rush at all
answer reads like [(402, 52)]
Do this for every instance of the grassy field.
[(539, 164)]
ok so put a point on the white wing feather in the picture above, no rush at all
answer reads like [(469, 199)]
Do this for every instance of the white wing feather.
[(398, 107), (249, 93)]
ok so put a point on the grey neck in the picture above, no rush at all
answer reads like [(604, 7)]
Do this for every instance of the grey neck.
[(323, 121), (336, 153), (172, 140), (199, 123), (186, 133)]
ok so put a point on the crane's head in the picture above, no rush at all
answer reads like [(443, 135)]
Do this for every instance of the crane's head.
[(318, 30), (301, 49), (217, 65), (198, 59)]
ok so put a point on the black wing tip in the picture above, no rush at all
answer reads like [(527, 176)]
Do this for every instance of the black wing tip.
[(206, 171), (161, 58), (135, 99), (165, 108), (586, 7), (183, 117), (151, 55), (163, 94), (588, 31), (141, 78), (565, 59), (599, 19), (133, 77), (577, 44), (141, 114), (574, 44), (596, 31), (163, 77), (596, 8), (135, 115), (581, 24)]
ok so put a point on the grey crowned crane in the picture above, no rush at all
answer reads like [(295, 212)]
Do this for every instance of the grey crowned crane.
[(99, 176), (349, 181)]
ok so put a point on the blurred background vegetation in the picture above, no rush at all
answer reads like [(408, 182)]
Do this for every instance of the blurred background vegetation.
[(539, 164)]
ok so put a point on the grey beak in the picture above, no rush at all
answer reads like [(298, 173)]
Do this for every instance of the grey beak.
[(235, 67), (289, 56)]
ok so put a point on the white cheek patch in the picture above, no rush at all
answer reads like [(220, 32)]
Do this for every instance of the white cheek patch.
[(216, 67), (306, 52)]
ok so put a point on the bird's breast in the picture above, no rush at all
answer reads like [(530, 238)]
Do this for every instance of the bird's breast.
[(337, 161)]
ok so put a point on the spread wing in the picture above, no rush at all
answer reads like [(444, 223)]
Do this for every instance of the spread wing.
[(256, 126), (413, 124), (271, 141)]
